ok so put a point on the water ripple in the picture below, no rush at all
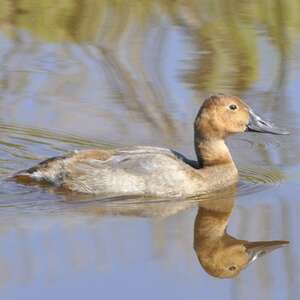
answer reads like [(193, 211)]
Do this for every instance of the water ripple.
[(255, 179)]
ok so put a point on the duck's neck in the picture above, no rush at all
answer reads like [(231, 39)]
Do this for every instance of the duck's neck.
[(211, 239), (213, 214), (210, 225), (211, 152)]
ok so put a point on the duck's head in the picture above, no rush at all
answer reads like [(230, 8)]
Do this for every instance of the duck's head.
[(219, 253), (230, 256), (222, 115)]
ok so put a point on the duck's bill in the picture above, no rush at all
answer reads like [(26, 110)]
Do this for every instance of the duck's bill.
[(258, 249), (257, 124)]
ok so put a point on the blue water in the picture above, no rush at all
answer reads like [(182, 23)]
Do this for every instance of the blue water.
[(97, 74)]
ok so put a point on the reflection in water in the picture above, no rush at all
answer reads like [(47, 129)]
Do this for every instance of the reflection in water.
[(122, 63), (220, 254)]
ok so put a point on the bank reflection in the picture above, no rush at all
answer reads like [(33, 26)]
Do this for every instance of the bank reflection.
[(220, 254)]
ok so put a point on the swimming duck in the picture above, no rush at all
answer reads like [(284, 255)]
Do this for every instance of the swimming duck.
[(220, 254), (157, 171)]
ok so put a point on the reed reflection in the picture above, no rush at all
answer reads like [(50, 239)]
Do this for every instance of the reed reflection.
[(80, 60), (220, 254)]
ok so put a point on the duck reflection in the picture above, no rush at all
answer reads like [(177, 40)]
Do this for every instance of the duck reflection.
[(220, 254)]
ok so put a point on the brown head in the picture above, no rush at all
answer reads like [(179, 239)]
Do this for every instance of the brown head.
[(222, 115), (220, 254), (229, 256)]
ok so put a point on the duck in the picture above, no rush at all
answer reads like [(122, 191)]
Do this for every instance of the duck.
[(220, 254), (155, 171)]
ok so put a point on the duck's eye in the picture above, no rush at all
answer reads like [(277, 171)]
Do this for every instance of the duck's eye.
[(232, 268), (233, 106)]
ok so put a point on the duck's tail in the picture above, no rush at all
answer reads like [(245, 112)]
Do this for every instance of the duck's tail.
[(49, 171)]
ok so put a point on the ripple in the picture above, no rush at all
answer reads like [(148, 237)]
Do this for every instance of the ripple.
[(256, 179), (19, 144), (257, 143)]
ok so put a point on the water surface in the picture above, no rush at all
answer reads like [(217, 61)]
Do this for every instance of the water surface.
[(84, 74)]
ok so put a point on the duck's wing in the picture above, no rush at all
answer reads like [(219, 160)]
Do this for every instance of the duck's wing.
[(54, 169), (124, 170), (139, 160), (138, 170)]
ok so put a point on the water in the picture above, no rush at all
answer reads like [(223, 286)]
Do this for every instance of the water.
[(78, 75)]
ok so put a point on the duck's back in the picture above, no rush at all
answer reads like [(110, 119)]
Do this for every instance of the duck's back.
[(134, 171)]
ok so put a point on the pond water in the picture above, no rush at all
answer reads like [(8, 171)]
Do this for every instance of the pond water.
[(85, 74)]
